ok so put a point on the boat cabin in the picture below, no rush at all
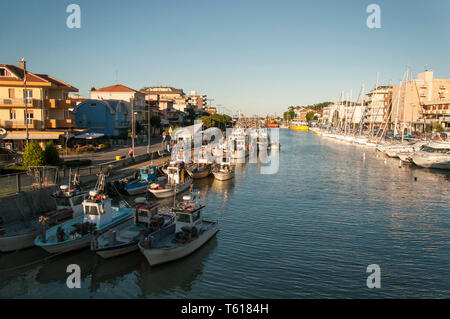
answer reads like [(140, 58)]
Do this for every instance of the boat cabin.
[(148, 174), (175, 173), (188, 213), (97, 209), (71, 198), (144, 212)]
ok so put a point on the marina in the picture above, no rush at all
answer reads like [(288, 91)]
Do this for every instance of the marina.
[(352, 207)]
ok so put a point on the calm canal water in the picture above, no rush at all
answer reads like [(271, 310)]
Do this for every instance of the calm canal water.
[(308, 231)]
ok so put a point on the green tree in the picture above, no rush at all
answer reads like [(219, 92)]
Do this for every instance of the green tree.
[(310, 116), (33, 155), (190, 117), (51, 155)]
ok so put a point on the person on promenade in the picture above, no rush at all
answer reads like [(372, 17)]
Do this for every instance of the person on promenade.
[(131, 153)]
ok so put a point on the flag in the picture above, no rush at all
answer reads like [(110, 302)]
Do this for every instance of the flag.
[(25, 77)]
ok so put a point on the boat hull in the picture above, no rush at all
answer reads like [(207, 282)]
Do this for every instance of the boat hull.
[(222, 176), (118, 250), (16, 242), (161, 256), (168, 192), (136, 190)]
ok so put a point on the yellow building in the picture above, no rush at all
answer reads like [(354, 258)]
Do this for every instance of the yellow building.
[(420, 102), (38, 101)]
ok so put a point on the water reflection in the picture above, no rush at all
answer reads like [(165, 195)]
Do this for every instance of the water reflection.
[(178, 276)]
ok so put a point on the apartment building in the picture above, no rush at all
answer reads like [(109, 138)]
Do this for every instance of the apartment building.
[(37, 103)]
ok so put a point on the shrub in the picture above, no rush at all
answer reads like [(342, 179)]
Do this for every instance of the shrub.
[(33, 155), (51, 154)]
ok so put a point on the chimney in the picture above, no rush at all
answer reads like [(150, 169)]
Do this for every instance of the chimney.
[(23, 64)]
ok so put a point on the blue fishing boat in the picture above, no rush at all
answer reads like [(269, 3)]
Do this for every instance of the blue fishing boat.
[(147, 176)]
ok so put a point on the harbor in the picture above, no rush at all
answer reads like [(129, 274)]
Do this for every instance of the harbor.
[(311, 233)]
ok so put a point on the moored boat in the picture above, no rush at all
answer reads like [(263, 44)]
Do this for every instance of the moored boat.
[(21, 235), (123, 238), (178, 180), (189, 232), (147, 175), (98, 217), (224, 170)]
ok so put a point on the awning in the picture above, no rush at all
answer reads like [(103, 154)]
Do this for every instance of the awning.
[(31, 136), (90, 136)]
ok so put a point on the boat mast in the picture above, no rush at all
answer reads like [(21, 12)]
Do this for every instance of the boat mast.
[(374, 94)]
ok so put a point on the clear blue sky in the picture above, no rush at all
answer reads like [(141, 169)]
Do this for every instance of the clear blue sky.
[(257, 56)]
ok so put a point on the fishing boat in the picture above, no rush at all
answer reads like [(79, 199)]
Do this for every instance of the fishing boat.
[(275, 146), (263, 139), (98, 217), (178, 180), (238, 142), (433, 155), (147, 175), (299, 126), (224, 170), (189, 232), (124, 237), (21, 235), (199, 170)]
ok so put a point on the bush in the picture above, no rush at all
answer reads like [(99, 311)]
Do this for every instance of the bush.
[(33, 155), (51, 155)]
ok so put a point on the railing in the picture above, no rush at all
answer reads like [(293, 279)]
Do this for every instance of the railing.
[(21, 102), (58, 103), (52, 123), (8, 124)]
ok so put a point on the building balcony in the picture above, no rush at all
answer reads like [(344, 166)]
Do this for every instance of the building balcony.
[(20, 124), (58, 104), (52, 123), (34, 103)]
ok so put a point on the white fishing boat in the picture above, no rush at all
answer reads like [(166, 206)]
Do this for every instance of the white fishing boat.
[(275, 146), (189, 232), (433, 155), (263, 139), (21, 235), (178, 180), (98, 217), (124, 237), (224, 170), (238, 144)]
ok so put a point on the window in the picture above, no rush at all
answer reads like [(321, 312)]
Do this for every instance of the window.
[(3, 72), (183, 218), (91, 210), (195, 216), (29, 95), (12, 114), (11, 93), (30, 117)]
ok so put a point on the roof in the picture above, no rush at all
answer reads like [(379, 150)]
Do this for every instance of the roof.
[(115, 88), (32, 77)]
